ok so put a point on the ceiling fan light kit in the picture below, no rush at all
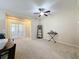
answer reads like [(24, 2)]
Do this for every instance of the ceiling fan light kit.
[(41, 13)]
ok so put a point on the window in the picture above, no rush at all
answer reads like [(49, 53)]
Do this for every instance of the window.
[(17, 30)]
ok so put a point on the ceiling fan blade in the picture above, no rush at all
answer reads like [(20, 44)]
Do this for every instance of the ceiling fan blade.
[(47, 11), (45, 14), (39, 15), (36, 13), (41, 9)]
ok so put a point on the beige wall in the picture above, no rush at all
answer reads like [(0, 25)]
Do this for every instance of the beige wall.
[(2, 21), (28, 25), (34, 28), (65, 23), (77, 18)]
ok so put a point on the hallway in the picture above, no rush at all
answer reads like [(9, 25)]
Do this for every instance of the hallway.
[(42, 49)]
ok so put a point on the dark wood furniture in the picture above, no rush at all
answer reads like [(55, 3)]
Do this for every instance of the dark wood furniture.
[(39, 32), (8, 53)]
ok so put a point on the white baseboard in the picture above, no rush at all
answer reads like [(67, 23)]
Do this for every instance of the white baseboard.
[(69, 44)]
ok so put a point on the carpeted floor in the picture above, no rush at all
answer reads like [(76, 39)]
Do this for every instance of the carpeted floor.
[(42, 49)]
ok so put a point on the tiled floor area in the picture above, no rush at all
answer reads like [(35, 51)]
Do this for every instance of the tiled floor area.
[(42, 49)]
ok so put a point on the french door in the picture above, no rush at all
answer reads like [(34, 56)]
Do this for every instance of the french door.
[(17, 30)]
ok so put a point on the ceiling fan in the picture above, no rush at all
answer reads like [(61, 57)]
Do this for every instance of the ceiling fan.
[(42, 12)]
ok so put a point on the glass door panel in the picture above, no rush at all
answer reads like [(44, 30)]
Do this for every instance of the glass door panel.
[(17, 30)]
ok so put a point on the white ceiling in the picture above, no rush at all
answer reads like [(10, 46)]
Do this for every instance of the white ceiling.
[(27, 7)]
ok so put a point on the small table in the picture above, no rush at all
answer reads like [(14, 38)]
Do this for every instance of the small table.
[(52, 35)]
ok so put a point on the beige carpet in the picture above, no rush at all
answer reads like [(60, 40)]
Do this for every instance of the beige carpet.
[(42, 49)]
